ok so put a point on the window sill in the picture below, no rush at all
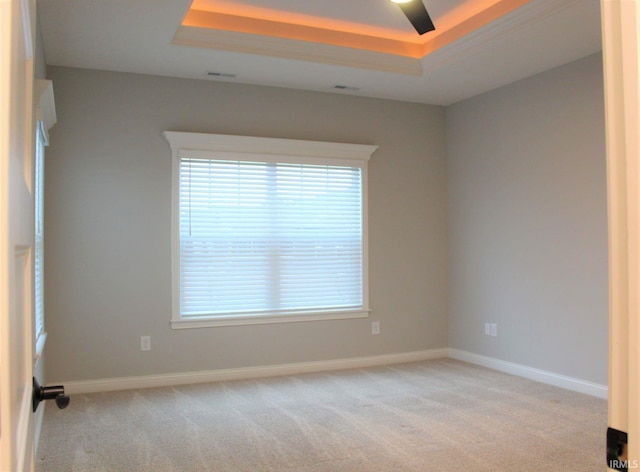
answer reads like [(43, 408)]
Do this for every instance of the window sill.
[(240, 320)]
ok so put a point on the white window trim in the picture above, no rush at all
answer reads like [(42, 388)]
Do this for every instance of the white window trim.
[(45, 117), (266, 149)]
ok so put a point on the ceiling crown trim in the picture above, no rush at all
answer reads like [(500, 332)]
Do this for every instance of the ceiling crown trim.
[(530, 14)]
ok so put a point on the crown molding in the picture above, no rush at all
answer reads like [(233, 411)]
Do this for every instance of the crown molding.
[(517, 20)]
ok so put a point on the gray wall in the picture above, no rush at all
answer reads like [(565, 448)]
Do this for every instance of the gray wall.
[(518, 207), (527, 222), (108, 224)]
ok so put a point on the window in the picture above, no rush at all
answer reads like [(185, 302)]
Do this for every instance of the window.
[(41, 142), (267, 230)]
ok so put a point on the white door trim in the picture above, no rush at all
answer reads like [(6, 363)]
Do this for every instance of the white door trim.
[(621, 47)]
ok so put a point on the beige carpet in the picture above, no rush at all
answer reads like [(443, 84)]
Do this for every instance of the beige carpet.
[(439, 416)]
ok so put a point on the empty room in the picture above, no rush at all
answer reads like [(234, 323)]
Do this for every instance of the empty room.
[(318, 236)]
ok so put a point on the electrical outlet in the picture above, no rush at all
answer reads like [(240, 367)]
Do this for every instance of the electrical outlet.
[(145, 343), (494, 329), (487, 329), (375, 327)]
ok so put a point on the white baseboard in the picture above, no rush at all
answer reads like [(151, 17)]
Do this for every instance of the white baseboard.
[(166, 380), (531, 373), (184, 378)]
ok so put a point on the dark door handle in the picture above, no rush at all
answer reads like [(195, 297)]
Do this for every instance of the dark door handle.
[(49, 393)]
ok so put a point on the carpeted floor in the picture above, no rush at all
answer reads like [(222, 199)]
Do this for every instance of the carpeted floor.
[(439, 416)]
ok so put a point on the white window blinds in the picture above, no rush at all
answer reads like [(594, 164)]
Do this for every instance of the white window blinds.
[(264, 237), (267, 230)]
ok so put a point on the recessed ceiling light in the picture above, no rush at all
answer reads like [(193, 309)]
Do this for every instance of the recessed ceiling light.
[(400, 1)]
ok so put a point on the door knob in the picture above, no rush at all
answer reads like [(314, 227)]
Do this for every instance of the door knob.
[(49, 393)]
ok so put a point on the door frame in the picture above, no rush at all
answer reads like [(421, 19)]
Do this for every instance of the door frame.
[(621, 48)]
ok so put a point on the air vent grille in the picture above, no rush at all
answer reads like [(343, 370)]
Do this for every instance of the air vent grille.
[(222, 75), (346, 87)]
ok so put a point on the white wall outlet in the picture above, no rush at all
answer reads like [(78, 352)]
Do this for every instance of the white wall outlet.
[(145, 343), (375, 327), (487, 329), (494, 329)]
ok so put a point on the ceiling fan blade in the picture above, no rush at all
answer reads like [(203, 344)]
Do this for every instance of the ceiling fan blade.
[(418, 16)]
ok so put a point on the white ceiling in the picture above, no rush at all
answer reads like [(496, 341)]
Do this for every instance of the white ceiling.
[(136, 36)]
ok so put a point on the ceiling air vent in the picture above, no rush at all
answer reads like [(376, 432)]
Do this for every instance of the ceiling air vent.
[(221, 75)]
